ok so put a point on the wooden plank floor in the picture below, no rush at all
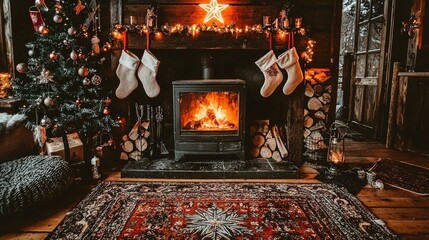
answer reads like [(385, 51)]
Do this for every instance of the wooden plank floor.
[(405, 213)]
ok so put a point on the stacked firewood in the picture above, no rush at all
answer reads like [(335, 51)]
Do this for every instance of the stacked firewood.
[(266, 141), (136, 142), (318, 99)]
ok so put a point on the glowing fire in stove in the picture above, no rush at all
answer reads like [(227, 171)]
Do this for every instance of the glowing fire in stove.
[(209, 111)]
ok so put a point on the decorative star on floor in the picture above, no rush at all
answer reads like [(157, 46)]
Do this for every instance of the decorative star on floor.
[(214, 10), (79, 7)]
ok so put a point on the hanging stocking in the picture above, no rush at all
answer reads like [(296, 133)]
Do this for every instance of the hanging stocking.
[(272, 74), (289, 61), (126, 72), (36, 17), (147, 74)]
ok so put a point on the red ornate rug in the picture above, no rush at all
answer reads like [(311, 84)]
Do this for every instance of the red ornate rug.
[(140, 210), (403, 175)]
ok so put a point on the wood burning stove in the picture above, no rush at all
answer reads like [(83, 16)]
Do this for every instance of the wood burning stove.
[(209, 117)]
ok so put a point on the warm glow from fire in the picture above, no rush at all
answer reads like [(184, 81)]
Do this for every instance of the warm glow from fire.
[(209, 111)]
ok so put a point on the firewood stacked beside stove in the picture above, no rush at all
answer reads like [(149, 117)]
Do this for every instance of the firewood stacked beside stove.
[(318, 99), (266, 141), (136, 142)]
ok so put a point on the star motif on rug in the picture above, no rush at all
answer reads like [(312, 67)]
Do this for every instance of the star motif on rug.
[(79, 7), (214, 10)]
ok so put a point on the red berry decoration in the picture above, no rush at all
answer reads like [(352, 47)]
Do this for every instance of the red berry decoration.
[(78, 102), (107, 101)]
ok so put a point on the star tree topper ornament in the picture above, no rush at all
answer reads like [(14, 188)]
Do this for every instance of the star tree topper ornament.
[(79, 7), (214, 10)]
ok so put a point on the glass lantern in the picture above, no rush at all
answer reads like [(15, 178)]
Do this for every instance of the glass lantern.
[(336, 151)]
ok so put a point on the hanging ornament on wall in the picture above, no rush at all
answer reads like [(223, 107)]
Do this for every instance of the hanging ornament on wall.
[(213, 10), (71, 31), (43, 30), (40, 4), (48, 101), (45, 76), (45, 121), (79, 7), (58, 19), (95, 44), (106, 111), (96, 80), (53, 56), (86, 81), (83, 72), (73, 55), (21, 67)]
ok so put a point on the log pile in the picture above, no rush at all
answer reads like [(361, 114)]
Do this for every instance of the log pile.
[(266, 141), (318, 99), (136, 142)]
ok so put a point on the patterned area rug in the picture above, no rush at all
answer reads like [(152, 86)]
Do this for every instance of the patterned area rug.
[(138, 210), (403, 175)]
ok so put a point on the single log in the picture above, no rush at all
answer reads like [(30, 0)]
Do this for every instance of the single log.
[(269, 135), (276, 156), (308, 121), (320, 115), (325, 108), (145, 125), (133, 135), (125, 138), (252, 131), (309, 91), (146, 134), (318, 125), (258, 140), (141, 144), (281, 147), (318, 90), (325, 98), (127, 146), (328, 89), (136, 155), (307, 132), (123, 156), (266, 152), (254, 152), (271, 144), (306, 112), (314, 104)]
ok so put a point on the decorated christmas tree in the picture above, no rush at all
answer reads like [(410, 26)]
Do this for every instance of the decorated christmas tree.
[(63, 88)]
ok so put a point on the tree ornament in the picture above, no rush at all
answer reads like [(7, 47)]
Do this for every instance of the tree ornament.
[(45, 121), (96, 80), (21, 67), (53, 56), (86, 81), (81, 55), (40, 4), (71, 31), (45, 76), (36, 18), (95, 44), (58, 7), (31, 53), (78, 102), (73, 55), (43, 30), (58, 18), (39, 101), (83, 72), (79, 7), (107, 101), (106, 111), (48, 101)]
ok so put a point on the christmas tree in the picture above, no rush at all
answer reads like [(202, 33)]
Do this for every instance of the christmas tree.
[(64, 88)]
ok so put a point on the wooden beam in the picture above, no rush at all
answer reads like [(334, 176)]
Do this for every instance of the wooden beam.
[(393, 106)]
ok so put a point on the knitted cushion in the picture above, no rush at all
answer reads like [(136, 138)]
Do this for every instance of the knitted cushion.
[(30, 181)]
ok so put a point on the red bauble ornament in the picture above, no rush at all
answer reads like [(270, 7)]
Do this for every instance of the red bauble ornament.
[(78, 102), (83, 72), (53, 56), (81, 55), (107, 101), (43, 29), (106, 111)]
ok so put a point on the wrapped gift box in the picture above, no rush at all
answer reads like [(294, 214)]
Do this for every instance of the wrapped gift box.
[(55, 146)]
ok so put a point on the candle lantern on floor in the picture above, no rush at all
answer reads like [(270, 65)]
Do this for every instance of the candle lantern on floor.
[(336, 150)]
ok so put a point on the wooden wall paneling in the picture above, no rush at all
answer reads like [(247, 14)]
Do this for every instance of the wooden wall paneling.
[(391, 125), (402, 100)]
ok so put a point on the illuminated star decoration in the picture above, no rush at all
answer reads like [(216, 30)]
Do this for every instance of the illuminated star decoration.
[(214, 10), (79, 7)]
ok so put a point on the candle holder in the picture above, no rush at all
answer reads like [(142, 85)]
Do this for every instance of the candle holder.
[(336, 150)]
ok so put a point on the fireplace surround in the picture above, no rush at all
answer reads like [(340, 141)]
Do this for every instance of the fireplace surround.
[(209, 117)]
